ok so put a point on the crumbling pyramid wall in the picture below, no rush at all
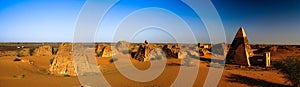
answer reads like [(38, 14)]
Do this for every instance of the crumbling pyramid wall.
[(143, 53), (24, 52), (240, 49), (105, 50), (99, 47), (147, 52), (43, 51), (122, 46), (219, 49), (108, 51), (171, 51), (63, 61)]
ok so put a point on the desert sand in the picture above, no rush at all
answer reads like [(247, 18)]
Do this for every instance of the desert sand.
[(34, 69)]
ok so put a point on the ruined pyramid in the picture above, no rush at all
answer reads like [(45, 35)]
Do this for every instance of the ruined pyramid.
[(240, 50), (63, 62), (143, 53), (74, 62)]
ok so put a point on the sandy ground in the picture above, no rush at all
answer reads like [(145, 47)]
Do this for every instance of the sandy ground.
[(35, 74)]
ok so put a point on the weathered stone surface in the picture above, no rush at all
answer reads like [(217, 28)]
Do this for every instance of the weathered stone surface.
[(219, 49), (200, 45), (24, 52), (171, 51), (143, 53), (147, 52), (156, 54), (99, 47), (122, 46), (240, 50), (183, 54), (262, 59), (84, 57), (204, 52), (108, 51), (63, 61), (134, 47), (43, 51), (189, 50), (193, 53)]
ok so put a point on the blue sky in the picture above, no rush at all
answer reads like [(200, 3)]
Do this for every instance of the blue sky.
[(265, 21)]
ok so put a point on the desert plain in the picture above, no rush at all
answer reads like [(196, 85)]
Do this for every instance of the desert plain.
[(29, 69)]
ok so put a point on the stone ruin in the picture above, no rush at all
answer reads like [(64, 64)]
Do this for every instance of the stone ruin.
[(262, 59), (240, 50), (189, 50), (201, 45), (24, 52), (172, 51), (43, 51), (122, 46), (156, 54), (143, 53), (241, 53), (63, 61), (134, 47), (148, 52), (108, 51), (219, 49), (105, 50), (20, 52), (183, 54), (84, 58), (99, 48), (203, 50)]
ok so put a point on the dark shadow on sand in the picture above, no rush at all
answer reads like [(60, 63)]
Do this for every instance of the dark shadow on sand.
[(210, 60), (252, 81), (174, 64)]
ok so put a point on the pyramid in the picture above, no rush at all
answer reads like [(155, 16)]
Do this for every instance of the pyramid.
[(63, 61), (143, 53), (240, 50), (45, 50)]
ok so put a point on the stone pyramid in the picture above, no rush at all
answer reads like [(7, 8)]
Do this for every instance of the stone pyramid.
[(63, 61), (45, 50), (143, 52), (240, 50)]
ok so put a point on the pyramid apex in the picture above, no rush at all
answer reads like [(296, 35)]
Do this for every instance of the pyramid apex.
[(242, 31), (242, 27)]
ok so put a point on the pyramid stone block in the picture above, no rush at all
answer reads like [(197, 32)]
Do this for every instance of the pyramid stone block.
[(240, 50)]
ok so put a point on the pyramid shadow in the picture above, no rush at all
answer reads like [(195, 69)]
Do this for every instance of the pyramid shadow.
[(210, 60), (174, 64), (252, 81)]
